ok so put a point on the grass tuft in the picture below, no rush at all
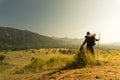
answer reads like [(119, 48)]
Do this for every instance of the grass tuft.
[(38, 64), (83, 59)]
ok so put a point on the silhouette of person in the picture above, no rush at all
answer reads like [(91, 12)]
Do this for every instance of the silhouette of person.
[(90, 40)]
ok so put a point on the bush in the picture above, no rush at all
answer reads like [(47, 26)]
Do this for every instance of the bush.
[(56, 62), (36, 64), (18, 70), (82, 59), (2, 58)]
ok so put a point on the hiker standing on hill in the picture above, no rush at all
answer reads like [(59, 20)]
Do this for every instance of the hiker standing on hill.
[(90, 40)]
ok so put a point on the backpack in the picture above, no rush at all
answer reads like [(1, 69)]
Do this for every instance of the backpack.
[(93, 40)]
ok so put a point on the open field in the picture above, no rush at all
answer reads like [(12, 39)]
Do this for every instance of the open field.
[(48, 64)]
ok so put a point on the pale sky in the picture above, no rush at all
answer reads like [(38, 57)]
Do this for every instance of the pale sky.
[(64, 18)]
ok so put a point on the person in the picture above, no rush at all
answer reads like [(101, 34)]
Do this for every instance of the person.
[(90, 40)]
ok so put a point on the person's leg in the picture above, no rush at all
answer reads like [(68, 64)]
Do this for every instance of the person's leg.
[(91, 50)]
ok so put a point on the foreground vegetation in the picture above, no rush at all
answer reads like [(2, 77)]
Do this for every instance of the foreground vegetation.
[(59, 63)]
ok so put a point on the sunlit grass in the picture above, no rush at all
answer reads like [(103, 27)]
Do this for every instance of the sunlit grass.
[(21, 61)]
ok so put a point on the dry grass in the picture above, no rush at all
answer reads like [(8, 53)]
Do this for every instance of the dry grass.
[(18, 59)]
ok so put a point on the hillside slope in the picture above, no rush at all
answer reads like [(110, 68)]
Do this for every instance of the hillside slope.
[(11, 38), (15, 38)]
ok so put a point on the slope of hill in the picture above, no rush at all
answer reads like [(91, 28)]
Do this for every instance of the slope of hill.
[(15, 38), (11, 38)]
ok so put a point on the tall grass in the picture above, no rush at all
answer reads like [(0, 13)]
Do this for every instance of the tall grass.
[(83, 59), (38, 64), (40, 61)]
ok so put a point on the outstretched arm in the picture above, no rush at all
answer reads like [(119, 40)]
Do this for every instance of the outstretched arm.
[(84, 42), (81, 47)]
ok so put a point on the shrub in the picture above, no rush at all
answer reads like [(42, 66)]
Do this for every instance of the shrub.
[(36, 64), (18, 70), (82, 59), (2, 58), (56, 62), (32, 51)]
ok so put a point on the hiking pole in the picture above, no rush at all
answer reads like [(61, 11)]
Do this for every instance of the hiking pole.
[(98, 40), (98, 45)]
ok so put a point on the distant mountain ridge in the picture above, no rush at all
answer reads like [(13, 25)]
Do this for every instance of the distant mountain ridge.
[(11, 38), (69, 41), (15, 38)]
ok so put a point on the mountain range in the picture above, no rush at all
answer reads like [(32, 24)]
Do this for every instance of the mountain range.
[(11, 38)]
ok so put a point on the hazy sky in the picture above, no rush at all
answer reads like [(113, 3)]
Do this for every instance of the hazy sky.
[(64, 18)]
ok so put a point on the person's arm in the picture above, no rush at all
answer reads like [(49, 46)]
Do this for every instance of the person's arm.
[(83, 44)]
